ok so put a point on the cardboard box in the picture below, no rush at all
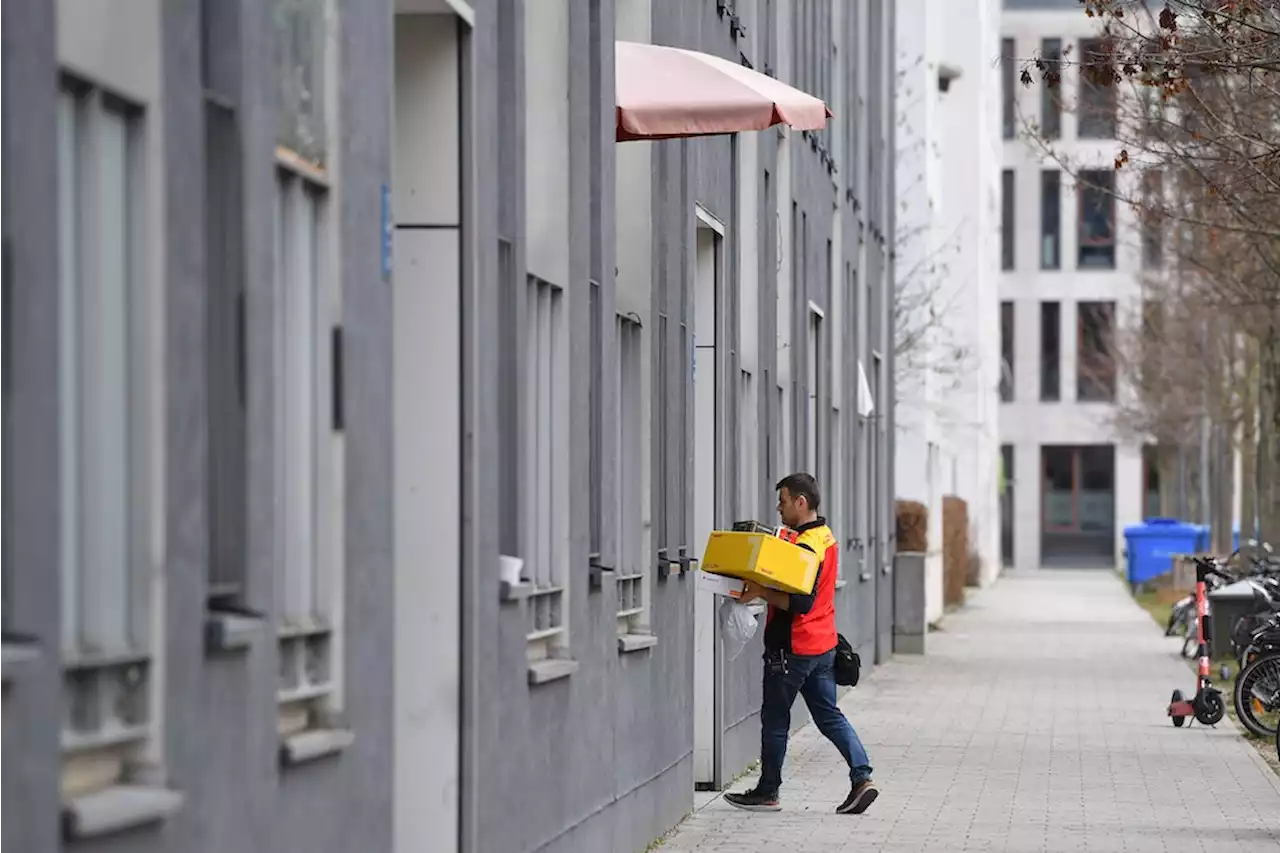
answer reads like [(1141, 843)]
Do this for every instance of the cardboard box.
[(761, 558), (719, 585)]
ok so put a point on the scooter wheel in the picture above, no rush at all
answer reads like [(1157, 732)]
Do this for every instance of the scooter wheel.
[(1177, 697), (1210, 709)]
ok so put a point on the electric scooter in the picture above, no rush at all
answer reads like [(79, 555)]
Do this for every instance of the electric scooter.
[(1207, 706)]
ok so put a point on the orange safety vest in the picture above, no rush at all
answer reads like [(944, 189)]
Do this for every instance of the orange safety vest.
[(814, 633)]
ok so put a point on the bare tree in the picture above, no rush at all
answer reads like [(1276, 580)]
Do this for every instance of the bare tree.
[(1193, 89), (926, 350)]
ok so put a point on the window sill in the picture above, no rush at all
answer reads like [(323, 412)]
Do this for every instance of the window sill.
[(117, 808), (231, 632), (19, 655), (103, 738), (841, 583), (547, 671), (313, 744), (102, 660), (864, 577), (630, 643), (515, 592)]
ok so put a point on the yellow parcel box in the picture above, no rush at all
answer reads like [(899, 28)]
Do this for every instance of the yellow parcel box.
[(762, 558)]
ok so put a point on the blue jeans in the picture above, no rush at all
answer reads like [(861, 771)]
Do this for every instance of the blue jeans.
[(813, 678)]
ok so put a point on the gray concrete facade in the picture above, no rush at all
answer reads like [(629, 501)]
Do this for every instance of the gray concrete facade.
[(214, 739), (582, 742)]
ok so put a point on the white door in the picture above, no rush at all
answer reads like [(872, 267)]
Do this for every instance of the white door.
[(427, 384), (706, 693)]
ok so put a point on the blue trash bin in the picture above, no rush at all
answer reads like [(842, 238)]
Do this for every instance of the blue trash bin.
[(1152, 545), (1204, 538)]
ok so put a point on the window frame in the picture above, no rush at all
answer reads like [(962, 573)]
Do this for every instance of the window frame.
[(632, 577), (1153, 242), (1106, 376), (545, 457), (1008, 88), (312, 640), (1008, 355), (91, 665), (1055, 395), (1088, 127), (1051, 182), (1008, 221), (1051, 97), (1084, 186)]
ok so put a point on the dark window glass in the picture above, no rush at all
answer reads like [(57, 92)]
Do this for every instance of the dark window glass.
[(1095, 230), (1050, 346), (1008, 79), (1050, 219), (1051, 90), (1152, 219), (1097, 104), (1007, 256), (1006, 352), (1096, 374)]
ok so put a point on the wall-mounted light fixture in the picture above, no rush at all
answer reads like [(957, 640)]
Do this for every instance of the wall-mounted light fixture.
[(947, 73)]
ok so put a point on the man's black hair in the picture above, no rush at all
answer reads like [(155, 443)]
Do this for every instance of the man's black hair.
[(802, 485)]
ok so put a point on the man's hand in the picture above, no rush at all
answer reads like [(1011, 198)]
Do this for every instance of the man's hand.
[(750, 592)]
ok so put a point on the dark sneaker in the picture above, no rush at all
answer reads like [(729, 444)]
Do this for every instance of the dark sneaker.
[(754, 801), (859, 799)]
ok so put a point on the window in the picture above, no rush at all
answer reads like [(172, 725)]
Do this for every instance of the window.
[(1006, 503), (1097, 109), (1151, 481), (661, 445), (1096, 375), (781, 444), (300, 53), (595, 455), (1006, 352), (630, 573), (1152, 321), (1050, 93), (1050, 219), (1152, 219), (104, 437), (1007, 231), (1096, 228), (227, 374), (1079, 490), (1050, 346), (816, 408), (546, 457), (308, 417), (1008, 81), (748, 449)]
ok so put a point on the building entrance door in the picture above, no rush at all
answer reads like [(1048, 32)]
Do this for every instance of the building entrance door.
[(1077, 506)]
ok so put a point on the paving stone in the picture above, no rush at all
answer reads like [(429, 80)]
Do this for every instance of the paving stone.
[(1035, 723)]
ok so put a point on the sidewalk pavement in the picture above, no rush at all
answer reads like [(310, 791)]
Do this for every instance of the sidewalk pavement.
[(1036, 722)]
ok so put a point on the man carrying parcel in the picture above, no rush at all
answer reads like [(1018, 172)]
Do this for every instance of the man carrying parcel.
[(799, 657)]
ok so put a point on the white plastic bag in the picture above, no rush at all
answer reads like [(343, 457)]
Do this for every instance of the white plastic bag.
[(737, 627)]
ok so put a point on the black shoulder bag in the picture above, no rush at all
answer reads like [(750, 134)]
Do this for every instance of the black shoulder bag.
[(848, 665)]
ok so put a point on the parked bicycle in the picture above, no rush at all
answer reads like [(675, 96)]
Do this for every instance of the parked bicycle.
[(1256, 696)]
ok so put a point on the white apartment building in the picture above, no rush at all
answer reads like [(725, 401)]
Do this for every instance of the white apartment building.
[(1071, 275), (948, 274)]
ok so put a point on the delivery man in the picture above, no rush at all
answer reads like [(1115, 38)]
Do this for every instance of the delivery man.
[(799, 653)]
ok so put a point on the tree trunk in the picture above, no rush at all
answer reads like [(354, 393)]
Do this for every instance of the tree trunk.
[(1249, 448), (1224, 491), (1269, 433)]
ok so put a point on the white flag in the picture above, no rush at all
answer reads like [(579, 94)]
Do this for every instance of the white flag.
[(866, 402)]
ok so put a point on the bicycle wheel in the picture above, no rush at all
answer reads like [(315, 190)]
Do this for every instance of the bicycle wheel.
[(1257, 696)]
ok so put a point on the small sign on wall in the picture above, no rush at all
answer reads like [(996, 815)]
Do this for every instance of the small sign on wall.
[(388, 232)]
